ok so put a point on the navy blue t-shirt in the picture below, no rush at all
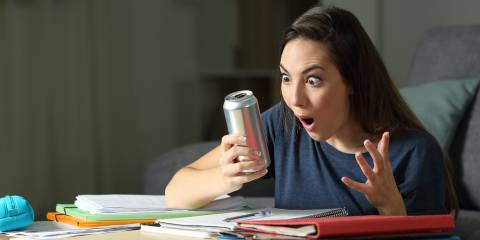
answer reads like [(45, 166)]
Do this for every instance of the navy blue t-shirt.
[(307, 173)]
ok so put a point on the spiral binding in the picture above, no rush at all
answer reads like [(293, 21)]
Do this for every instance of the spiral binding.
[(338, 212)]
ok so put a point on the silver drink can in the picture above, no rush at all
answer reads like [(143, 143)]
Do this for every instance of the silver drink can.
[(243, 117)]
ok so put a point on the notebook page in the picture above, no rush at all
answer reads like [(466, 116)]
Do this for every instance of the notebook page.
[(214, 221)]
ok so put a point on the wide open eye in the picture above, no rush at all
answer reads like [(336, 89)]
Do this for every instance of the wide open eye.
[(284, 77), (314, 81)]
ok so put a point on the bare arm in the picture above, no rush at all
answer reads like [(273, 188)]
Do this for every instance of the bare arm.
[(214, 174)]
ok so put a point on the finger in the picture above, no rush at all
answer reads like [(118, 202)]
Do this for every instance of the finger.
[(378, 163), (384, 147), (232, 139), (248, 177), (359, 187), (366, 169), (240, 167), (236, 151)]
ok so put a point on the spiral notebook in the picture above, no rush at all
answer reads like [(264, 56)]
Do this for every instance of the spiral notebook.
[(281, 214), (216, 223)]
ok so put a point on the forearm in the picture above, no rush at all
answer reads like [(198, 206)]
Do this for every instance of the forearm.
[(192, 188)]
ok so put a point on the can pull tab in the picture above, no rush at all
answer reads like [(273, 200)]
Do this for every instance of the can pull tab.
[(11, 207)]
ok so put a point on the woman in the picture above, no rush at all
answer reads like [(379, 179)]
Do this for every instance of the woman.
[(342, 136)]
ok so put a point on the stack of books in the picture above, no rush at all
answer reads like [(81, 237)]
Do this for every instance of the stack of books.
[(107, 210)]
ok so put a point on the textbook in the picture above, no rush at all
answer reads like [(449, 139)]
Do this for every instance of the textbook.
[(354, 226)]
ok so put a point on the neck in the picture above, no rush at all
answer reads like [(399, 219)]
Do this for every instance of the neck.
[(349, 138)]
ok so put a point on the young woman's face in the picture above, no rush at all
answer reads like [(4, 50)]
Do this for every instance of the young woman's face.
[(313, 88)]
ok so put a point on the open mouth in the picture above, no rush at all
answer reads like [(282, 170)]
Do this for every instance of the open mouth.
[(307, 122)]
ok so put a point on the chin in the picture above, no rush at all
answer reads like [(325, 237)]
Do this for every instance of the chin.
[(317, 137)]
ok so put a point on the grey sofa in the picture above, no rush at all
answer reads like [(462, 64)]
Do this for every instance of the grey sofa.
[(451, 53), (442, 53)]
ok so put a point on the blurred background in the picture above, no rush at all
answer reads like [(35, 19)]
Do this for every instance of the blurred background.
[(91, 91)]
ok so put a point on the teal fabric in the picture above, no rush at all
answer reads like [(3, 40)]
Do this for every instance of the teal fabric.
[(440, 105), (15, 213)]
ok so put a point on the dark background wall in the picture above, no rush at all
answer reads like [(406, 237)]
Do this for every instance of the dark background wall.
[(91, 91)]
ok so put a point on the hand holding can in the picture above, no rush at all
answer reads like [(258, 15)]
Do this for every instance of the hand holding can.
[(242, 115)]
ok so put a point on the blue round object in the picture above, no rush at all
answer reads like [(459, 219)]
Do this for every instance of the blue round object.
[(15, 213)]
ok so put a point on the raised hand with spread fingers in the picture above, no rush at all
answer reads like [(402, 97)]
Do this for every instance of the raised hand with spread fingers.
[(380, 189)]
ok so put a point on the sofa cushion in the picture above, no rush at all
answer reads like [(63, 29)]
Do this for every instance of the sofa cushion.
[(465, 154), (467, 225), (447, 52), (159, 172), (440, 105)]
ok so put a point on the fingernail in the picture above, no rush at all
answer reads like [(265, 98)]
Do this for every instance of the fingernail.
[(387, 134), (258, 153), (366, 142), (243, 139)]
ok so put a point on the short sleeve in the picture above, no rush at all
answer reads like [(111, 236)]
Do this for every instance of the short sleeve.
[(271, 121), (424, 185)]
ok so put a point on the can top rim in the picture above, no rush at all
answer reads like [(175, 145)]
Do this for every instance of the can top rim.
[(239, 96), (239, 99)]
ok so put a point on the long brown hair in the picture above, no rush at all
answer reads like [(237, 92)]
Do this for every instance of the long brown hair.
[(376, 102)]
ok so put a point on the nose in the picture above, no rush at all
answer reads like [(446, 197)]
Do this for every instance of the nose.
[(297, 97)]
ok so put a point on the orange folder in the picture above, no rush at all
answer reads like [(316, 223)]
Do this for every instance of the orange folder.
[(60, 217)]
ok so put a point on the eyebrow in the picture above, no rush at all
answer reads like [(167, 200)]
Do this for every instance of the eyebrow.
[(305, 70)]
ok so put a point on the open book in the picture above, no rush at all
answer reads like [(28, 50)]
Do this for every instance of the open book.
[(354, 226)]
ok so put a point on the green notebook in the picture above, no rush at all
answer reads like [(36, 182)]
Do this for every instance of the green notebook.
[(72, 210)]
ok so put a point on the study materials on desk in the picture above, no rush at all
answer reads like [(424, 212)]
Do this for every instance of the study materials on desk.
[(70, 220), (218, 223), (126, 209), (124, 203), (52, 230), (354, 226)]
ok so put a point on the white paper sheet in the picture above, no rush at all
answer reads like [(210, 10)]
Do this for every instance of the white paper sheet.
[(50, 230), (115, 203)]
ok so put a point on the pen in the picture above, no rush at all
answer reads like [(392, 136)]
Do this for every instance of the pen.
[(263, 213)]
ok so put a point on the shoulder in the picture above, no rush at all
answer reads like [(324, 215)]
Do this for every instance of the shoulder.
[(273, 112), (272, 117), (274, 121), (416, 149), (419, 173), (416, 141)]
